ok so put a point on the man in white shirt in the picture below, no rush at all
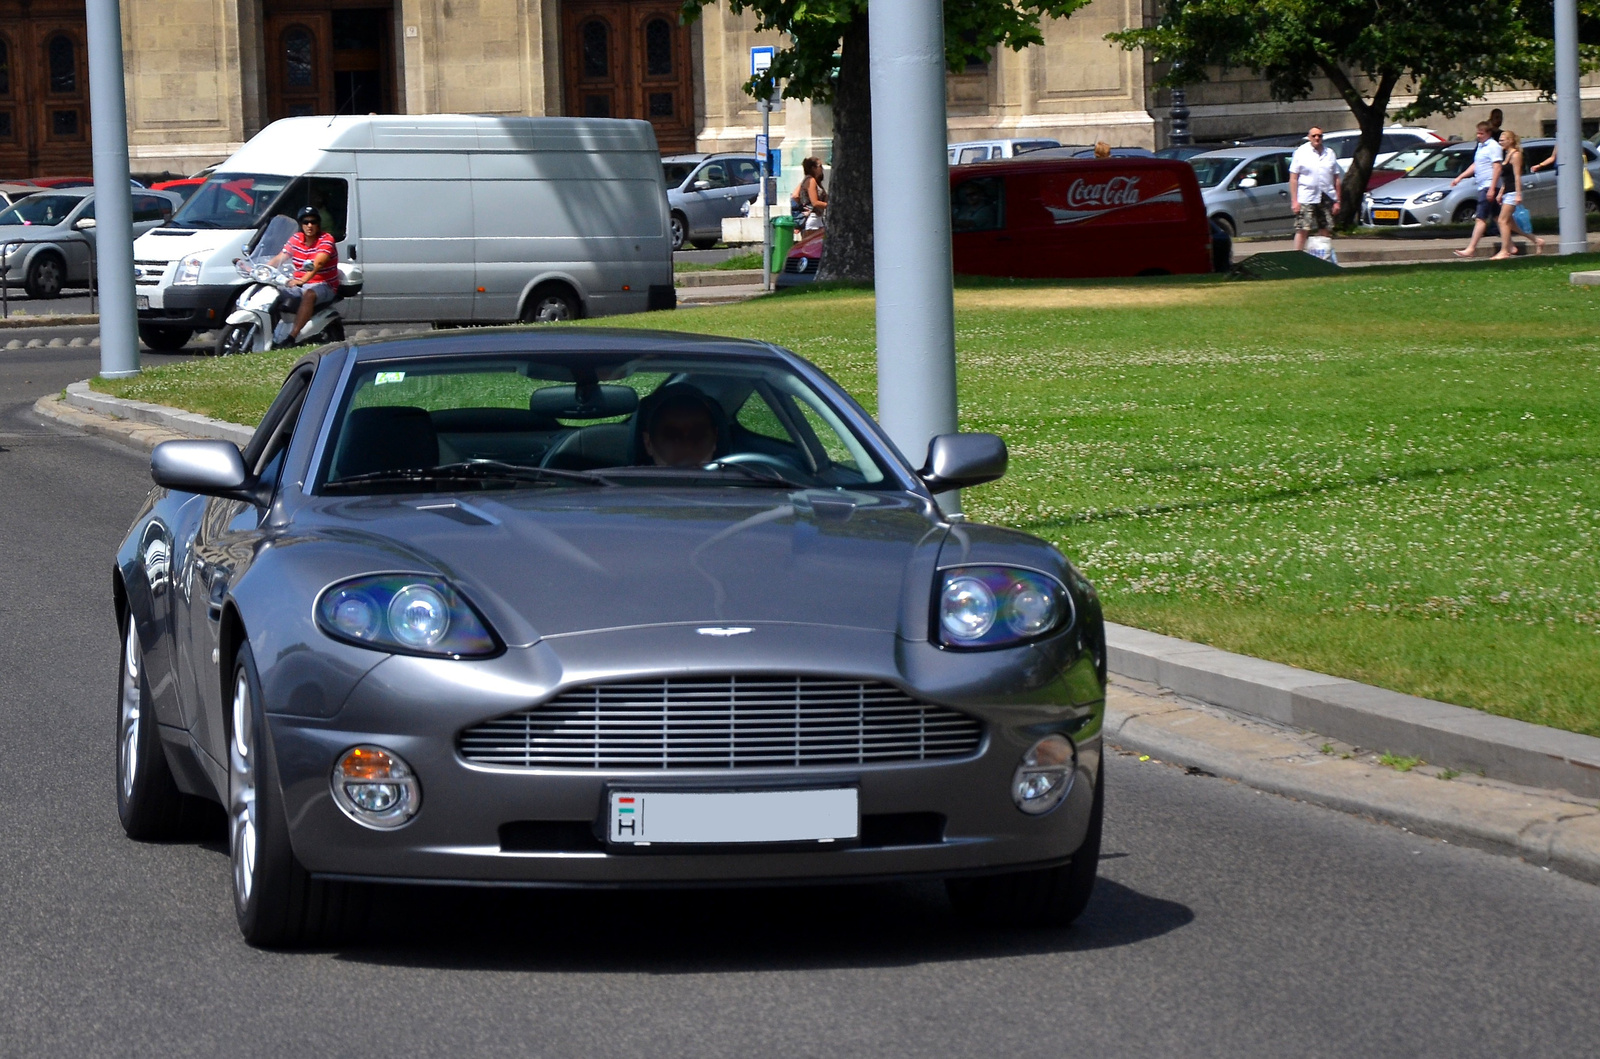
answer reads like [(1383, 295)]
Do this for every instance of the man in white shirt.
[(1485, 171), (1313, 187)]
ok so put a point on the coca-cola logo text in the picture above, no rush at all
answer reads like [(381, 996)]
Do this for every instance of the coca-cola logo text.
[(1118, 191)]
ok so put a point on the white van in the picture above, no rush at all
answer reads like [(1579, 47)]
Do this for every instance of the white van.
[(452, 219)]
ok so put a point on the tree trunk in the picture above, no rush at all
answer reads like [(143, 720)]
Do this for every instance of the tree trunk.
[(1354, 184), (847, 250)]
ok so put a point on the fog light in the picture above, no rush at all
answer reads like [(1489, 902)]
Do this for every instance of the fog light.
[(375, 788), (1045, 775)]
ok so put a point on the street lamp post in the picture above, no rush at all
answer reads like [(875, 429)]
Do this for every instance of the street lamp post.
[(1569, 133), (113, 197), (911, 227)]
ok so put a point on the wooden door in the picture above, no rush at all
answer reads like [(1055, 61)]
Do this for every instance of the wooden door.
[(60, 95), (624, 59), (14, 115), (299, 47)]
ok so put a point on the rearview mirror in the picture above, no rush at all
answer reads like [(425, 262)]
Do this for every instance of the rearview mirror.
[(210, 468), (589, 402), (956, 461)]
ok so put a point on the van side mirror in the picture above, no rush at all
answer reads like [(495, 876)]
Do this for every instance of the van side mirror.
[(957, 461), (210, 468)]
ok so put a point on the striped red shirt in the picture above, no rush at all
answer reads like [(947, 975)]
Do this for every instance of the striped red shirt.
[(301, 257)]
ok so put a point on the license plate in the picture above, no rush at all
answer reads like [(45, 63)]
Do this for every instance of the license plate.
[(707, 818), (1386, 215), (141, 302)]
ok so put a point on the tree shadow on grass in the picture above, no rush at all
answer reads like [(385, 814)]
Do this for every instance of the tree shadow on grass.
[(718, 930)]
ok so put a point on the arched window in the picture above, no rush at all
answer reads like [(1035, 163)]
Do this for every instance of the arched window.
[(63, 64), (298, 50), (658, 48), (596, 40), (5, 68)]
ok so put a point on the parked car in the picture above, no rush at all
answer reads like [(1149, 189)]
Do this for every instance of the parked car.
[(10, 193), (454, 218), (46, 239), (1039, 217), (1424, 196), (1246, 189), (1399, 165), (702, 189), (461, 612), (1185, 151), (969, 151), (1396, 138)]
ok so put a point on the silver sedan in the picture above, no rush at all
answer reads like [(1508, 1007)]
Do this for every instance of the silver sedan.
[(1424, 196), (1246, 189)]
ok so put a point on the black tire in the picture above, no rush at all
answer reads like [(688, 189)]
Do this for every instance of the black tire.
[(703, 244), (1465, 213), (1051, 897), (551, 304), (149, 804), (679, 230), (277, 902), (166, 339), (46, 276), (233, 339), (334, 332), (1226, 225), (1591, 202)]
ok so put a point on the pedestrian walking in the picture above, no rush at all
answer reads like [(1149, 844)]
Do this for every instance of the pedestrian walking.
[(1485, 171), (1510, 194), (1313, 188), (810, 197)]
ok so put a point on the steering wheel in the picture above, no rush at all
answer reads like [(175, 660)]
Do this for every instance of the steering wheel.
[(777, 463)]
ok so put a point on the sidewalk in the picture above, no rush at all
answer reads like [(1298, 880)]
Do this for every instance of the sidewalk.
[(1440, 770), (1399, 250)]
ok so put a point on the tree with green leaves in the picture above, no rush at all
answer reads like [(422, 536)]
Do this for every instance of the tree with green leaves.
[(827, 59), (1447, 52)]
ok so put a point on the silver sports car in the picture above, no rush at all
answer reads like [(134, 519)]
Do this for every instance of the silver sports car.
[(589, 608)]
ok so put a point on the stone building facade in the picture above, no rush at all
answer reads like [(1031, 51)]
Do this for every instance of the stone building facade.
[(203, 76)]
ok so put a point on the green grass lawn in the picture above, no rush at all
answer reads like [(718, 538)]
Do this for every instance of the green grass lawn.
[(1391, 475)]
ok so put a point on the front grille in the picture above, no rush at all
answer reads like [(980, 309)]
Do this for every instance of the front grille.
[(1387, 201), (148, 273), (799, 265), (729, 722)]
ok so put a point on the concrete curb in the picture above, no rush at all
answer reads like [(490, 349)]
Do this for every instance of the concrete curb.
[(1537, 826), (1437, 732), (63, 320), (170, 419), (719, 277)]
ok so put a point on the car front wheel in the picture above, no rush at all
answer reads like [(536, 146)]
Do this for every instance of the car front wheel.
[(680, 231), (1226, 225), (1465, 213), (277, 902), (149, 804), (46, 276), (1052, 897), (165, 339)]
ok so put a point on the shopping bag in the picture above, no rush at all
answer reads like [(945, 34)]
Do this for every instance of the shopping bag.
[(1321, 246), (1522, 218)]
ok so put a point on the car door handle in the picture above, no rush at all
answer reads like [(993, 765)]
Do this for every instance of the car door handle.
[(219, 589)]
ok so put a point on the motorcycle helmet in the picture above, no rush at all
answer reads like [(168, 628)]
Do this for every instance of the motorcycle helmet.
[(308, 213)]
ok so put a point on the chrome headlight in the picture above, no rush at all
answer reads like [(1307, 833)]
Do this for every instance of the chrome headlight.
[(1432, 196), (188, 272), (406, 614), (998, 606)]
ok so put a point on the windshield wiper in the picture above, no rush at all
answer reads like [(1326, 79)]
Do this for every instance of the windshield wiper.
[(468, 471)]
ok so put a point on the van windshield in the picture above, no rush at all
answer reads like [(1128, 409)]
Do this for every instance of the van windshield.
[(1212, 171), (230, 200)]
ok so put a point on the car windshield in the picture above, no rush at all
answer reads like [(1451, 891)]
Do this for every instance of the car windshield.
[(1443, 165), (1212, 171), (677, 172), (471, 421), (230, 200), (41, 209), (1405, 161)]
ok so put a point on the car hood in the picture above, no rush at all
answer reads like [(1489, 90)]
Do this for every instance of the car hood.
[(169, 244), (552, 562), (1410, 187)]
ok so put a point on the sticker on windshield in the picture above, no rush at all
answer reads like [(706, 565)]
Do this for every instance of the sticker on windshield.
[(388, 376)]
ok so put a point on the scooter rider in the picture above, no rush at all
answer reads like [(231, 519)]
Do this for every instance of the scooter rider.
[(315, 259)]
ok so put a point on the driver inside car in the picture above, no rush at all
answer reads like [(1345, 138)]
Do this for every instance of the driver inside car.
[(680, 431)]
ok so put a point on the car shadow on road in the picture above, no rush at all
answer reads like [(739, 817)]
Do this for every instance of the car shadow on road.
[(699, 931)]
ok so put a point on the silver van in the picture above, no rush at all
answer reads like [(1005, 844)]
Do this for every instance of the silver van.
[(452, 219)]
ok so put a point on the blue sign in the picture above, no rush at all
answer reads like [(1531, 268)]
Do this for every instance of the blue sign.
[(761, 59)]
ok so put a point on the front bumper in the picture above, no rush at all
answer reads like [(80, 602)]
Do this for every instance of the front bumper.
[(939, 817), (200, 306)]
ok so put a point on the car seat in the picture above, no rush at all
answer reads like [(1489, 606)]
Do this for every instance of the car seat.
[(385, 438), (647, 406)]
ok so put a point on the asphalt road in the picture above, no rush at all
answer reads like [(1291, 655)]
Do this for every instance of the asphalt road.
[(1227, 922)]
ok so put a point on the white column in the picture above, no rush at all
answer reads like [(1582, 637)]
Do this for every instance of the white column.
[(1569, 133), (113, 200)]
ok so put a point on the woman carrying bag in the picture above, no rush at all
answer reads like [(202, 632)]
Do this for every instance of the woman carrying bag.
[(810, 199), (1514, 216)]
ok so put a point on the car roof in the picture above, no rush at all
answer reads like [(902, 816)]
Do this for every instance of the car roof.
[(707, 157), (1244, 154), (518, 340)]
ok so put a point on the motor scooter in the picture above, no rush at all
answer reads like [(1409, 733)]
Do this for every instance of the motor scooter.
[(263, 314)]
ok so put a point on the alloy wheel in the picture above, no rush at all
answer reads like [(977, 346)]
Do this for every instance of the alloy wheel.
[(47, 278), (129, 712), (553, 308), (680, 231), (242, 779)]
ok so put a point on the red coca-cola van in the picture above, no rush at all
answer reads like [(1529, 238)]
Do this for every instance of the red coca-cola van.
[(1070, 218)]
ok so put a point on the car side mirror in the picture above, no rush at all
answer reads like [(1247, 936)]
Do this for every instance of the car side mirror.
[(957, 461), (702, 185), (1248, 182), (83, 224), (210, 468)]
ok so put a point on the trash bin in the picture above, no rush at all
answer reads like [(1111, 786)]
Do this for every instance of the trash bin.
[(782, 240)]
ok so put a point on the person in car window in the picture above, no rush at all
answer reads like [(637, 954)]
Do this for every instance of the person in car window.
[(679, 430), (315, 259)]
